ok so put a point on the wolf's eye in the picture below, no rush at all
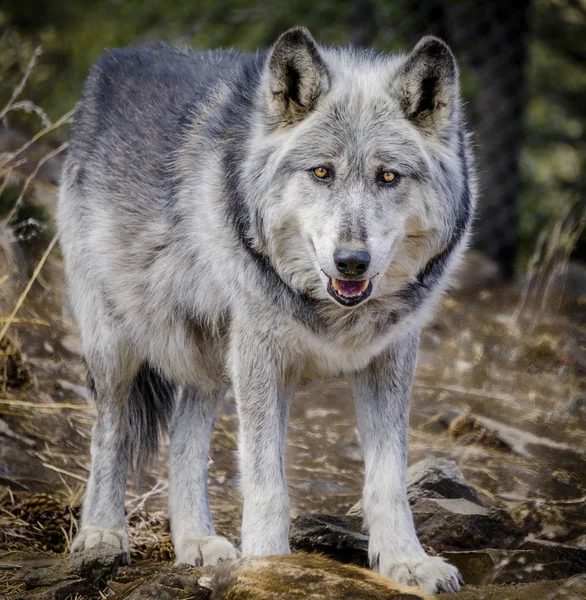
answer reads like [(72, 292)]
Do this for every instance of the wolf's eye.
[(321, 173), (388, 177)]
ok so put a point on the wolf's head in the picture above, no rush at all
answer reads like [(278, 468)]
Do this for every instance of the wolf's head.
[(358, 162)]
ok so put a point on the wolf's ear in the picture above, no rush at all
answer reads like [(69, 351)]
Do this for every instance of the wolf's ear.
[(297, 75), (427, 85)]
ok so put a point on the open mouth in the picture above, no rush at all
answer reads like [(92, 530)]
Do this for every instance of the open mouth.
[(349, 293)]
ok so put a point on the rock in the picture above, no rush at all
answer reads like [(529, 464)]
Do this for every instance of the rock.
[(481, 567), (170, 586), (298, 575), (339, 537), (571, 559), (458, 524), (438, 478), (571, 589), (521, 442), (90, 569), (467, 429), (64, 590), (432, 478), (303, 576)]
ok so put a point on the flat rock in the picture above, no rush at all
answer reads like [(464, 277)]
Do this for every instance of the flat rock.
[(438, 478), (341, 538), (63, 590), (432, 478), (295, 577), (457, 524), (442, 524), (570, 589), (88, 569), (481, 567), (169, 586), (301, 576)]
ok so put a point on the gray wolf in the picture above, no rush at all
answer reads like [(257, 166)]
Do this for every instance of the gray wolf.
[(257, 221)]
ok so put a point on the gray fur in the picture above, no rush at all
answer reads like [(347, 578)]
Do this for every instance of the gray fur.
[(199, 247)]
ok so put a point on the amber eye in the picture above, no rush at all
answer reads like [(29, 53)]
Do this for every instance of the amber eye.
[(388, 177), (321, 173)]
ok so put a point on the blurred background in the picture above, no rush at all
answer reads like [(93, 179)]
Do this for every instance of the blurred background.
[(522, 67), (501, 387)]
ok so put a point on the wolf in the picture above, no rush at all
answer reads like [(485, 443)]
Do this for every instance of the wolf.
[(254, 222)]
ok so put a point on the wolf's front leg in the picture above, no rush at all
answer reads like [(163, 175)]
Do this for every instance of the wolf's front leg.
[(194, 537), (381, 393), (263, 409)]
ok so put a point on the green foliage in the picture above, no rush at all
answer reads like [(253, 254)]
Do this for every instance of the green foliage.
[(554, 153)]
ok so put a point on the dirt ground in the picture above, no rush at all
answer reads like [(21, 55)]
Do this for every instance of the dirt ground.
[(501, 393)]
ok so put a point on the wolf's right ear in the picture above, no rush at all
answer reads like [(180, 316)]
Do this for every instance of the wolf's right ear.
[(296, 75)]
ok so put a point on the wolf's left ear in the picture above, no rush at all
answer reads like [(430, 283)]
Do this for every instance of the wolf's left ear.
[(297, 75), (427, 85)]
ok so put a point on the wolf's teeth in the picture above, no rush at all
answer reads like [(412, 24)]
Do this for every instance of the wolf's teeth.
[(350, 288)]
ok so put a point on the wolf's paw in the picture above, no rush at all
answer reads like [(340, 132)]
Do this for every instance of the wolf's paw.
[(90, 537), (204, 551), (431, 573)]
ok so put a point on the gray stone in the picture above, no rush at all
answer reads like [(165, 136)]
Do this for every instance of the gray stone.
[(341, 538), (570, 589), (545, 562), (90, 568), (301, 575), (458, 524), (432, 478), (438, 478), (170, 586), (63, 590)]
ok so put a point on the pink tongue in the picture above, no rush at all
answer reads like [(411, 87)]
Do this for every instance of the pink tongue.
[(350, 288)]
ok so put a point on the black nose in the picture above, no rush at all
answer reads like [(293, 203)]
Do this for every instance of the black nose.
[(351, 262)]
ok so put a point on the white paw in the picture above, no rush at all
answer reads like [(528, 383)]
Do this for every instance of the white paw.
[(431, 573), (204, 551), (90, 537)]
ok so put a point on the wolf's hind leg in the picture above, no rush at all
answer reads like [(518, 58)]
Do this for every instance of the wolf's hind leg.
[(193, 531), (111, 370)]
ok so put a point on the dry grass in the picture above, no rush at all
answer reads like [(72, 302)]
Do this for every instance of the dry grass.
[(9, 173), (13, 370), (47, 523), (548, 265)]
